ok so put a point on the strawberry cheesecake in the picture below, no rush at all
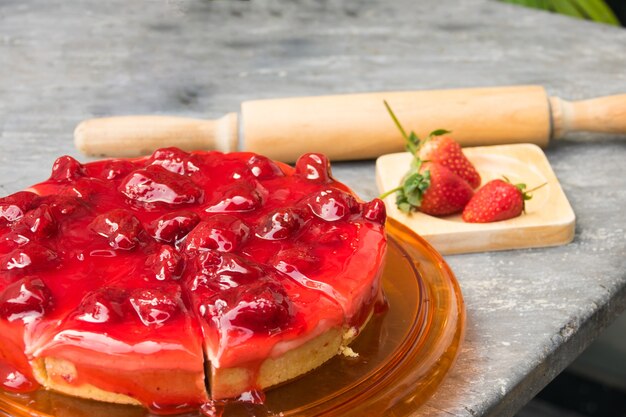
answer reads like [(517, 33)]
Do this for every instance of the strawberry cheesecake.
[(182, 278)]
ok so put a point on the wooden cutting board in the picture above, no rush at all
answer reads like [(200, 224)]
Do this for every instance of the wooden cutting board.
[(549, 219)]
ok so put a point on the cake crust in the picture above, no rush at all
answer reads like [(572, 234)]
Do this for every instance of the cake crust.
[(54, 373)]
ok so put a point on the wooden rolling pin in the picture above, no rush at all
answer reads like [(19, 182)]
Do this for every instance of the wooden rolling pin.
[(357, 126)]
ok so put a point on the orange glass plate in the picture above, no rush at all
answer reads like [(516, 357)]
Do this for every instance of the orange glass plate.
[(404, 352)]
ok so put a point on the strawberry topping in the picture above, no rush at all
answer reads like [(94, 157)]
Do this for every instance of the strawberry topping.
[(154, 263)]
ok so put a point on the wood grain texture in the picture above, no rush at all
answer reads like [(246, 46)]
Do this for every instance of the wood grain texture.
[(548, 219), (602, 114), (530, 312), (132, 136), (358, 126)]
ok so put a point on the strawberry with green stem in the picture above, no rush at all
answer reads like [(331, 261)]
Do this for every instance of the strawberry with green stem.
[(438, 147), (429, 186), (441, 148)]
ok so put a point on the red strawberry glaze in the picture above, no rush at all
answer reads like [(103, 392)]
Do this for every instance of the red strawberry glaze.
[(135, 265), (15, 371), (243, 304)]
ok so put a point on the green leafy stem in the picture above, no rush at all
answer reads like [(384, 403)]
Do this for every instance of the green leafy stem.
[(410, 192)]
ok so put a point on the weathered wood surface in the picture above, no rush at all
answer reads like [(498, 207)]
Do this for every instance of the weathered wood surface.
[(530, 312)]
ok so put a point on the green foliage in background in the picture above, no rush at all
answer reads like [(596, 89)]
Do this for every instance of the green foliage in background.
[(596, 10)]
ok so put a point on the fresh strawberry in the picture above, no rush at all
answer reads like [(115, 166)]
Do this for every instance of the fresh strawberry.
[(433, 186), (497, 200), (432, 189), (443, 149), (447, 193)]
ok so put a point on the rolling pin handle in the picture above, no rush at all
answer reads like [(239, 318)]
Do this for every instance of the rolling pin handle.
[(132, 136), (601, 115)]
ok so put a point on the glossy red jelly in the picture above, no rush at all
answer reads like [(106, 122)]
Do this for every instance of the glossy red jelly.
[(130, 273)]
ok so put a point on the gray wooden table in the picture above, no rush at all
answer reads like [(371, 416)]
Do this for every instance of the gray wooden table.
[(530, 312)]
